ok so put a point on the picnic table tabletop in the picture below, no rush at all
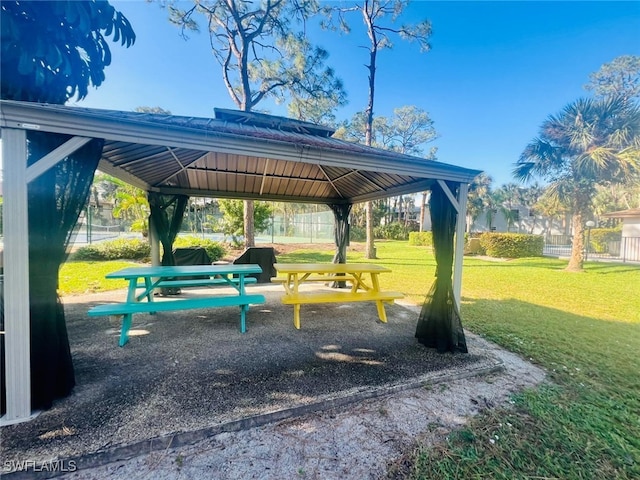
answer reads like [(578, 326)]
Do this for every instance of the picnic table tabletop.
[(184, 270), (330, 268)]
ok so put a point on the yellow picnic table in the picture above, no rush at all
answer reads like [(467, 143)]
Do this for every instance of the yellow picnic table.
[(363, 277)]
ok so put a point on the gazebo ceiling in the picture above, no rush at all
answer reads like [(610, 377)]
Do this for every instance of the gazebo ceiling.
[(236, 155)]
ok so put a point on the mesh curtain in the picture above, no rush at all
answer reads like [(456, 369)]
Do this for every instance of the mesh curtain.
[(55, 200), (439, 324), (167, 212), (341, 235), (341, 231)]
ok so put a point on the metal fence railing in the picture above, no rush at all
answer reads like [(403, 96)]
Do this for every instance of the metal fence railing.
[(627, 249)]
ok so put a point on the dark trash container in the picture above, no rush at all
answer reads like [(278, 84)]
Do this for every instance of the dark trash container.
[(263, 256), (192, 256)]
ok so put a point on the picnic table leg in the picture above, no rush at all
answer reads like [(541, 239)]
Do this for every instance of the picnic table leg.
[(296, 315), (124, 331), (382, 315), (243, 321)]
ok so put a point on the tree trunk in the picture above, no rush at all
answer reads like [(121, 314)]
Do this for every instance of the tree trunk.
[(577, 245), (370, 247), (249, 234)]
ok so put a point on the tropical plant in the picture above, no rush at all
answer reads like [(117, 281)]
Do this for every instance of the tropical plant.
[(233, 217), (130, 203), (479, 198), (507, 198), (53, 51), (588, 143)]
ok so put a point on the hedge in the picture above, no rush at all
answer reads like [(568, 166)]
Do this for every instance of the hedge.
[(512, 245), (424, 239), (214, 249), (136, 249), (599, 238), (120, 249), (393, 231)]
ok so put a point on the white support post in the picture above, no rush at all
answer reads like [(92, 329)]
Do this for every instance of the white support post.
[(16, 277), (459, 247)]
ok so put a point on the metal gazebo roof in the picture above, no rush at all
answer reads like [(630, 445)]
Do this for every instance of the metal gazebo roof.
[(237, 155)]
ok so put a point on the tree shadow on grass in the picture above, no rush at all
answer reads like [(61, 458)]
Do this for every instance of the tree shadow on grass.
[(552, 336)]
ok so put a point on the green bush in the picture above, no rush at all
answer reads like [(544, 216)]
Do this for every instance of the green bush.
[(512, 245), (392, 231), (357, 234), (599, 238), (424, 239), (120, 249), (214, 249)]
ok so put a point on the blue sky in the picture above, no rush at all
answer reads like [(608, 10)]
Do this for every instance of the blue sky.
[(496, 70)]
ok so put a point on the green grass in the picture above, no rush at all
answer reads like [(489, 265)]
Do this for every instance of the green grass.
[(88, 277), (584, 328)]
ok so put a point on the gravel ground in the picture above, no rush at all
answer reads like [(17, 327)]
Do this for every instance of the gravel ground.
[(190, 397)]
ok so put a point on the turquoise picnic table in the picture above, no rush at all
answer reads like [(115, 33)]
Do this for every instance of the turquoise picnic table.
[(143, 281)]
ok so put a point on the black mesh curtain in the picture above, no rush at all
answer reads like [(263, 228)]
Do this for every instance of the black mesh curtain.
[(167, 212), (341, 235), (341, 230), (439, 324), (55, 200)]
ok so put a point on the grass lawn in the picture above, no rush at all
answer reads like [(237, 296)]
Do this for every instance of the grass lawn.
[(584, 328), (88, 277)]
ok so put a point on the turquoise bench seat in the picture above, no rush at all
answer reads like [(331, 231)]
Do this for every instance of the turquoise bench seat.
[(129, 308)]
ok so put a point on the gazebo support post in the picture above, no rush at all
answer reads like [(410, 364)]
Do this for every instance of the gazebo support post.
[(460, 206), (17, 349), (16, 296), (459, 251)]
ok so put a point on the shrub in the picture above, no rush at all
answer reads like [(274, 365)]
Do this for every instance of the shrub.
[(120, 249), (357, 234), (512, 245), (421, 239), (472, 246), (214, 249), (392, 231), (599, 238)]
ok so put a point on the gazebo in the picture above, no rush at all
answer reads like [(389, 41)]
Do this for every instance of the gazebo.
[(234, 155)]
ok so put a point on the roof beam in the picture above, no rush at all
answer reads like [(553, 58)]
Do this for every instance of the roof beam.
[(329, 180), (180, 170), (51, 159), (264, 175)]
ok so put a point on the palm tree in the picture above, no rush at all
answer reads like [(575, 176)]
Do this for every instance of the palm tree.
[(589, 142), (479, 193)]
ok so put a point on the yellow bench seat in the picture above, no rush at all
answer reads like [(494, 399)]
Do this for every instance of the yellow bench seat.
[(339, 297)]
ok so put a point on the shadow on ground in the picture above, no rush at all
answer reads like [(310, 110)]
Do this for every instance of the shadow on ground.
[(186, 375)]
